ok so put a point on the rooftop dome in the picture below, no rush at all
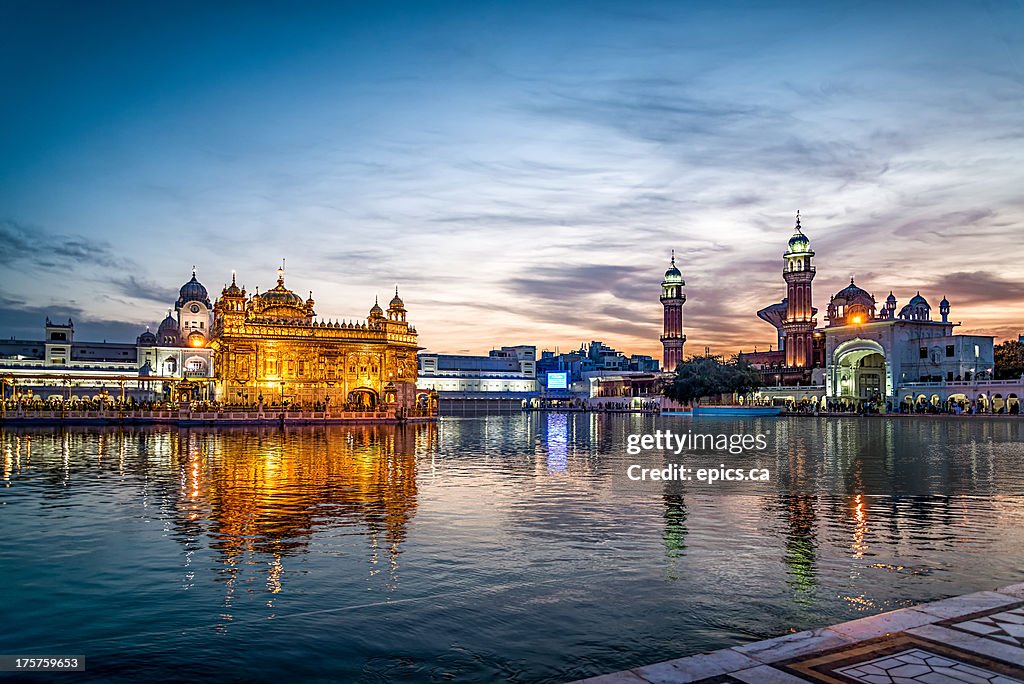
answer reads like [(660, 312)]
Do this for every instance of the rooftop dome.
[(852, 292), (396, 301), (944, 302), (918, 300), (168, 333), (146, 339), (280, 295), (891, 297), (193, 291), (673, 274), (917, 309), (167, 325), (799, 242), (232, 290), (851, 306), (375, 310), (280, 303)]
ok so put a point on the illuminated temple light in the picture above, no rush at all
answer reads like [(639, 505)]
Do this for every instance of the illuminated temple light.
[(270, 345)]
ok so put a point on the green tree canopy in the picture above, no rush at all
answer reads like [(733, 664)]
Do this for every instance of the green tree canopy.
[(1009, 360), (705, 376)]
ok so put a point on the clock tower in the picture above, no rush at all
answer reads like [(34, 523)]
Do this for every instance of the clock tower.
[(799, 323), (672, 299), (195, 313)]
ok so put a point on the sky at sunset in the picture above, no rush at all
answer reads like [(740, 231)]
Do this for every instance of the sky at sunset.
[(520, 169)]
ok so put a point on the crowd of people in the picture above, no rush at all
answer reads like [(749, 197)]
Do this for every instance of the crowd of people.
[(948, 407), (130, 404)]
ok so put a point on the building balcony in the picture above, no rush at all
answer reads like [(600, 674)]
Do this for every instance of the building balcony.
[(964, 383)]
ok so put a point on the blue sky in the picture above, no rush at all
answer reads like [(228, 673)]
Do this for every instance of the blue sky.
[(520, 170)]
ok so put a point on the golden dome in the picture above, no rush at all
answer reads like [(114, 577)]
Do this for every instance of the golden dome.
[(280, 302)]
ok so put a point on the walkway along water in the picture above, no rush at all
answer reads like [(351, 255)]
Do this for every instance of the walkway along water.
[(971, 638), (186, 416)]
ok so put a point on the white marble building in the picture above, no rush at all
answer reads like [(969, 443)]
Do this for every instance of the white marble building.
[(61, 367), (890, 356), (870, 356)]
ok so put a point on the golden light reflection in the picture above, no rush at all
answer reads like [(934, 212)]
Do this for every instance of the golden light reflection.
[(861, 602), (274, 575), (860, 529), (267, 493)]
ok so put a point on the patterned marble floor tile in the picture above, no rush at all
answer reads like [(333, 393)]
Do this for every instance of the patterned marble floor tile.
[(915, 666), (905, 659), (1004, 625)]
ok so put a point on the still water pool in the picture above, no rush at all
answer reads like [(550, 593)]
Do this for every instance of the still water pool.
[(476, 549)]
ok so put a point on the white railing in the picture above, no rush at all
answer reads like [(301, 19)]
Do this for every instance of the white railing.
[(965, 383)]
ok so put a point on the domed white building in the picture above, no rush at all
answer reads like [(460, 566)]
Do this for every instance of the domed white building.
[(864, 354), (180, 348), (61, 367)]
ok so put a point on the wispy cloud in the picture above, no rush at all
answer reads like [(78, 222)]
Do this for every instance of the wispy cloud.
[(24, 245), (522, 175)]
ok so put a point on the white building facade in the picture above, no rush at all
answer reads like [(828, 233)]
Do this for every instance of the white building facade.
[(61, 367), (509, 370), (893, 358)]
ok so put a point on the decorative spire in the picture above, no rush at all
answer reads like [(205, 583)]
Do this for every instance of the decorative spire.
[(280, 274), (233, 277), (673, 257), (798, 221), (193, 270)]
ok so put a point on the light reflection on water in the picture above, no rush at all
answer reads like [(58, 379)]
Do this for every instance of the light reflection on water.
[(474, 549)]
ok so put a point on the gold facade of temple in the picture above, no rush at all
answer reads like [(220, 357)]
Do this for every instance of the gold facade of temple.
[(269, 347)]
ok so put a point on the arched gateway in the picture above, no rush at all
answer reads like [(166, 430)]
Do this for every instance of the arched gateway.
[(859, 372)]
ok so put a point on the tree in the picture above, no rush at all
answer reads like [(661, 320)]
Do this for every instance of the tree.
[(1009, 360), (705, 376)]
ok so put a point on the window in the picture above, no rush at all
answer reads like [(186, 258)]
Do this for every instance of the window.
[(924, 352), (949, 350), (949, 375)]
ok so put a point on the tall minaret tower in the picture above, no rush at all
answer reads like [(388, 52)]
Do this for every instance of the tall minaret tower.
[(799, 323), (673, 298)]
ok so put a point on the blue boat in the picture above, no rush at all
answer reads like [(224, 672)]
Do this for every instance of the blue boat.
[(737, 410)]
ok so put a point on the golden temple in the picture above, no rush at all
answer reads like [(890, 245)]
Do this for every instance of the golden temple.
[(270, 347)]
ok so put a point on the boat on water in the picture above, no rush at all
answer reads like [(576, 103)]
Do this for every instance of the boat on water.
[(737, 410), (727, 411)]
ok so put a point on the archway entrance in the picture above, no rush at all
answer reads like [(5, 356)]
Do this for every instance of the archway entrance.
[(958, 403), (860, 372), (362, 399)]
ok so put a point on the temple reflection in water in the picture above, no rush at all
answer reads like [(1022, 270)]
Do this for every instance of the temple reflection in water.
[(254, 497), (254, 508)]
